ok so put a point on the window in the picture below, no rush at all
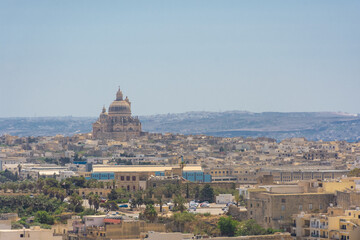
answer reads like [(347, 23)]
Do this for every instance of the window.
[(283, 200), (282, 207), (310, 206), (21, 235), (127, 178), (300, 207), (320, 206), (122, 178), (251, 205), (134, 178)]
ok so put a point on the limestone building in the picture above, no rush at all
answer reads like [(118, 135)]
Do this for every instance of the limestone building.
[(117, 123)]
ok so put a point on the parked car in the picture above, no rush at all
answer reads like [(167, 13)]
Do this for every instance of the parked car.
[(205, 205), (230, 203), (123, 206), (193, 204)]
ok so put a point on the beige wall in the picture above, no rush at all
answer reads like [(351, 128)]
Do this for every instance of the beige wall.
[(276, 210), (102, 192), (43, 234)]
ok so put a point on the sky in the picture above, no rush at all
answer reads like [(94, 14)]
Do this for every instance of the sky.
[(67, 58)]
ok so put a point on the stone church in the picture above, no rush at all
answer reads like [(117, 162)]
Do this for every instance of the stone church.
[(117, 123)]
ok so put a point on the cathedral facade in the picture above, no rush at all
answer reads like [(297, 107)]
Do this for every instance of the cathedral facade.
[(117, 123)]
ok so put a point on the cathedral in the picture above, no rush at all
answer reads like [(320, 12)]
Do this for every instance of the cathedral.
[(117, 123)]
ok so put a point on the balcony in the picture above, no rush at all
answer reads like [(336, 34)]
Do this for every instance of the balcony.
[(314, 226)]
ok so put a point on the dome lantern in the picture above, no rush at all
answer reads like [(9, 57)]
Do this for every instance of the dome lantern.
[(119, 95)]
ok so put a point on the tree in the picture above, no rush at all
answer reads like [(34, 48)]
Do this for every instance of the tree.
[(182, 218), (138, 199), (78, 181), (40, 184), (169, 190), (354, 173), (61, 194), (110, 205), (179, 203), (44, 218), (51, 182), (227, 226), (113, 205), (237, 199), (158, 193), (90, 198), (64, 160), (207, 193), (250, 227), (150, 213), (75, 203), (187, 191), (96, 202), (113, 195), (197, 192)]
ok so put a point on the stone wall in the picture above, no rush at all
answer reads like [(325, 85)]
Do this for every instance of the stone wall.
[(279, 236)]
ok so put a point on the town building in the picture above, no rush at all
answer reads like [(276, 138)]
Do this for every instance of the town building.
[(335, 224), (275, 210)]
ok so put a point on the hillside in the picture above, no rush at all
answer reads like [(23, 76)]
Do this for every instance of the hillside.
[(312, 125)]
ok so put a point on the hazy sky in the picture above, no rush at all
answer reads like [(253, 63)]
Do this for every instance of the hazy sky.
[(61, 58)]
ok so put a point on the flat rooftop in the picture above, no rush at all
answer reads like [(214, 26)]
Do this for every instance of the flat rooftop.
[(143, 168)]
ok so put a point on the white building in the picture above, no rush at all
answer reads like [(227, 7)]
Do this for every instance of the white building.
[(224, 198)]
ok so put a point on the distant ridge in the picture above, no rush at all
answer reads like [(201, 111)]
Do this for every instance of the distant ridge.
[(325, 126)]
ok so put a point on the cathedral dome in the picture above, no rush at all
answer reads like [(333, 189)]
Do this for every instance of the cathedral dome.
[(120, 107)]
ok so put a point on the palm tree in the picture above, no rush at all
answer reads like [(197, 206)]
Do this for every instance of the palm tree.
[(96, 202), (237, 199), (179, 202), (90, 198)]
